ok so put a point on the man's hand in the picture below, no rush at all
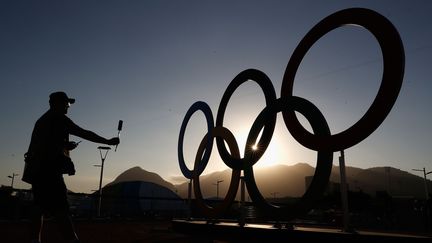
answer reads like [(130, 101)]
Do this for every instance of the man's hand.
[(113, 141), (71, 145)]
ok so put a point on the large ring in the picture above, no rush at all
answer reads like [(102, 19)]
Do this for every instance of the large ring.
[(270, 95), (199, 105), (394, 62), (226, 135), (324, 158)]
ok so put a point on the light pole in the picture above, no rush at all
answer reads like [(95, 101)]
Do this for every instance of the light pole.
[(103, 157), (387, 170), (425, 180), (344, 193), (13, 178), (242, 220), (217, 187)]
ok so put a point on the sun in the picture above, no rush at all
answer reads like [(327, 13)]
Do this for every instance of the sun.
[(254, 147), (270, 156), (283, 149)]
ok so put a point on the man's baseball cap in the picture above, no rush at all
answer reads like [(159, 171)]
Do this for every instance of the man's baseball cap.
[(60, 96)]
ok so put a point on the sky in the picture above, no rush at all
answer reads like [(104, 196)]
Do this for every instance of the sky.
[(147, 62)]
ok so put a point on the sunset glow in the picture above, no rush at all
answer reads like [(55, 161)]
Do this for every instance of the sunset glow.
[(270, 156), (122, 62)]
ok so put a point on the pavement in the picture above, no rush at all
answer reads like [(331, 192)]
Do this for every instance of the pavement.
[(191, 231), (259, 232)]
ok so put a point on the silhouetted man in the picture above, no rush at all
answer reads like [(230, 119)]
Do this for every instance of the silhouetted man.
[(48, 159)]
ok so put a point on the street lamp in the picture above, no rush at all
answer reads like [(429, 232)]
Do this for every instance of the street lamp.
[(425, 180), (13, 178), (217, 187), (103, 157)]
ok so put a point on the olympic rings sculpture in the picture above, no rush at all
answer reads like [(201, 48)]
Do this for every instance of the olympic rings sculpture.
[(321, 140)]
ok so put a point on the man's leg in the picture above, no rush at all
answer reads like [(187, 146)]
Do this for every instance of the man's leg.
[(36, 225), (36, 217), (66, 226), (62, 213)]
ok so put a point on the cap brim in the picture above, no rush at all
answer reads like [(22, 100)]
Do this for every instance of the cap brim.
[(71, 101)]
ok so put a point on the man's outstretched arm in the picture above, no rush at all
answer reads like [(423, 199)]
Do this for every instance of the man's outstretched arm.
[(91, 136)]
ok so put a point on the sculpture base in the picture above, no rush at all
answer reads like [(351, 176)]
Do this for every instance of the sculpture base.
[(233, 232)]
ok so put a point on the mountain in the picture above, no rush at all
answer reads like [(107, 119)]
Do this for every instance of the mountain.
[(282, 179), (395, 181), (289, 181), (138, 174)]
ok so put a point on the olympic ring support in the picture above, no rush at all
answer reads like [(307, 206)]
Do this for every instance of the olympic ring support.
[(321, 140)]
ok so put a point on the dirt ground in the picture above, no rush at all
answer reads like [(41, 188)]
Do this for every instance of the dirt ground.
[(95, 232)]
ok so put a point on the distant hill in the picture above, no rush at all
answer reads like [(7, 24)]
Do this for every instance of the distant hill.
[(289, 181), (138, 174), (395, 181)]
